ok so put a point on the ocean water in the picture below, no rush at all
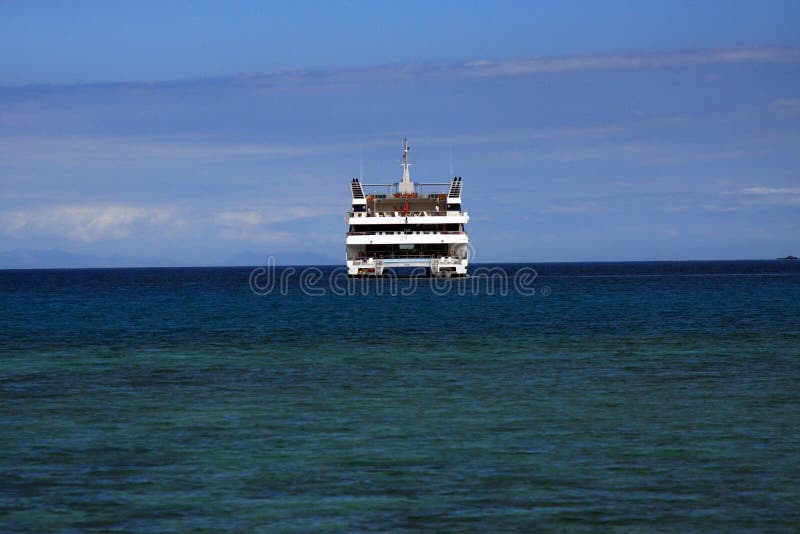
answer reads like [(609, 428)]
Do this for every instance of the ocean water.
[(595, 396)]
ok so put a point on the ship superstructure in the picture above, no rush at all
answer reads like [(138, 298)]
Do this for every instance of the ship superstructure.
[(407, 224)]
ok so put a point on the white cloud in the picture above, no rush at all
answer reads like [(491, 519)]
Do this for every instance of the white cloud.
[(771, 191), (92, 223), (83, 222), (253, 235), (257, 225), (266, 215), (243, 219), (770, 196)]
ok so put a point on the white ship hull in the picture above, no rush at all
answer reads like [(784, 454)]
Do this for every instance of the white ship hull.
[(440, 267)]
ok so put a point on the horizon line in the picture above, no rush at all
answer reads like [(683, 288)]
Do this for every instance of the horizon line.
[(342, 265)]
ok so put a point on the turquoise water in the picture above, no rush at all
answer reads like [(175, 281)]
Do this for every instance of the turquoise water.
[(629, 396)]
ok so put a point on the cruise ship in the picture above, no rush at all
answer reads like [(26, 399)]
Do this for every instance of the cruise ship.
[(407, 224)]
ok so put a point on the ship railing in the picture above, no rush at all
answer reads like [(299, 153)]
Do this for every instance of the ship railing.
[(414, 232), (352, 213)]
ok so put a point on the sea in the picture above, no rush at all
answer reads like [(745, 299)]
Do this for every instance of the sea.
[(640, 396)]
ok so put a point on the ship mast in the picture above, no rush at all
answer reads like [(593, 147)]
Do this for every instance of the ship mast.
[(406, 185)]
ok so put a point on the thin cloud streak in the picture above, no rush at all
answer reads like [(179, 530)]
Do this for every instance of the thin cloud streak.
[(608, 62), (88, 148), (481, 68), (788, 103), (771, 191)]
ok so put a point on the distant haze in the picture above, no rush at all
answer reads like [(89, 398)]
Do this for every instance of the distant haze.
[(132, 134)]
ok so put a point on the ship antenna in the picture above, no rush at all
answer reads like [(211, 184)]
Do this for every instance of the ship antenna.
[(361, 166), (406, 164), (406, 185)]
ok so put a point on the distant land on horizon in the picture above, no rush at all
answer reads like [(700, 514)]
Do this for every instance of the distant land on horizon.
[(60, 259)]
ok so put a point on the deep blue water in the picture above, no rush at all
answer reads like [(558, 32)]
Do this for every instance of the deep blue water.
[(630, 396)]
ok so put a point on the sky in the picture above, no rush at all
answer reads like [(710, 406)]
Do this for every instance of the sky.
[(220, 133)]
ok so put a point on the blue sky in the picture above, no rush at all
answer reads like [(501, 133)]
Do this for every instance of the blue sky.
[(207, 133)]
